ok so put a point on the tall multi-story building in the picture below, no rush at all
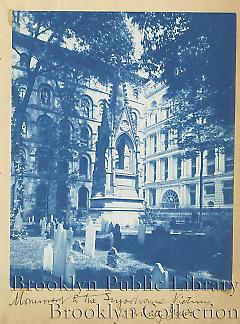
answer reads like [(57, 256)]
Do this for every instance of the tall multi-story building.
[(171, 181)]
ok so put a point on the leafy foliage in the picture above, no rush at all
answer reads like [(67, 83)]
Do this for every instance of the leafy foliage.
[(183, 49)]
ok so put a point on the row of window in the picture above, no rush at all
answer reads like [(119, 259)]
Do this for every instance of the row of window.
[(171, 200), (46, 98), (164, 165), (46, 130), (209, 189), (62, 196), (156, 115), (44, 165), (167, 140)]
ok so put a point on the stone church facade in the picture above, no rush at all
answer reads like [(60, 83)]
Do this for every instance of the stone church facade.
[(59, 173)]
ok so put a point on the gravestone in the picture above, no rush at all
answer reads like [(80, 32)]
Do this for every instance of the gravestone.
[(107, 227), (112, 258), (111, 240), (52, 230), (48, 230), (69, 237), (43, 224), (117, 236), (159, 277), (18, 223), (103, 226), (70, 271), (48, 258), (141, 232), (90, 238), (59, 255), (111, 228)]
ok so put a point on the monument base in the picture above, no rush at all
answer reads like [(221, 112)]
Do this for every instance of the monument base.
[(121, 210)]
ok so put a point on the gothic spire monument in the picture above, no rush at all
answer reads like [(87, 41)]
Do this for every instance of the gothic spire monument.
[(117, 194)]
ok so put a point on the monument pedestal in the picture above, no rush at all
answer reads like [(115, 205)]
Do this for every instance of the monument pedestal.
[(121, 210)]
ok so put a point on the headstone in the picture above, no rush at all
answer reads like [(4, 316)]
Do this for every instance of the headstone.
[(110, 228), (70, 271), (107, 227), (90, 238), (117, 236), (111, 240), (51, 218), (33, 219), (77, 246), (48, 230), (141, 232), (69, 237), (48, 258), (103, 225), (112, 258), (43, 226), (59, 256), (159, 277), (18, 223), (52, 230)]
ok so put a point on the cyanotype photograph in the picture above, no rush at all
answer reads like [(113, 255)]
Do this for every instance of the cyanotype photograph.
[(122, 150)]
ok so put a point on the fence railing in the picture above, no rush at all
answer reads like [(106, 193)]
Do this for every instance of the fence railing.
[(208, 214)]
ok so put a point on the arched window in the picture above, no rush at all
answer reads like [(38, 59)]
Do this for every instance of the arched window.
[(85, 107), (100, 108), (22, 89), (135, 118), (84, 135), (153, 104), (170, 199), (19, 88), (210, 203), (41, 195), (84, 166), (83, 195), (45, 95), (125, 152), (44, 126)]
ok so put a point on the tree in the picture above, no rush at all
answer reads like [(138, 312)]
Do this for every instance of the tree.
[(63, 44), (182, 49), (194, 56)]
